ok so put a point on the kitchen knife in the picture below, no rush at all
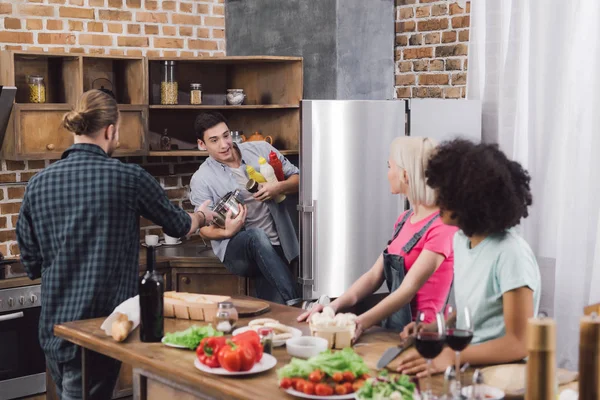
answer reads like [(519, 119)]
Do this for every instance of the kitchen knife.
[(390, 354)]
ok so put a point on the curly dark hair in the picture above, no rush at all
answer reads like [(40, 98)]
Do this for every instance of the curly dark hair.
[(207, 120), (486, 192)]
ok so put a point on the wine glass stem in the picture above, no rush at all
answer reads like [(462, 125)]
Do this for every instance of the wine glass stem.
[(428, 386), (457, 370)]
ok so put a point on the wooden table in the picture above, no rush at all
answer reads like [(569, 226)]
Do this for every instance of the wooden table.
[(163, 372)]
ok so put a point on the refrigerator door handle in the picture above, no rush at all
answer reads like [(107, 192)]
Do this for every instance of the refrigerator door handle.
[(308, 272)]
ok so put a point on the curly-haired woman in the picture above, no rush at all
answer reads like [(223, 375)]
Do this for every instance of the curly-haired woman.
[(495, 272)]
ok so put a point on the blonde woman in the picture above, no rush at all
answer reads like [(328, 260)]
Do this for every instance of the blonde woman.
[(417, 263)]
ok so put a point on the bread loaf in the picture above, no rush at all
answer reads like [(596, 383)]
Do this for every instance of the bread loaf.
[(121, 327)]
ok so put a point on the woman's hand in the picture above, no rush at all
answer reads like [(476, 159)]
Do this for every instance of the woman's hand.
[(414, 364), (359, 330), (409, 330)]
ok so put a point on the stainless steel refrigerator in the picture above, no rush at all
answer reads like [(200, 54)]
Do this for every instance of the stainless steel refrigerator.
[(347, 212)]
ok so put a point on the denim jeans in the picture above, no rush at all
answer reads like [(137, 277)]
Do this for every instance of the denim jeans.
[(103, 374), (251, 254)]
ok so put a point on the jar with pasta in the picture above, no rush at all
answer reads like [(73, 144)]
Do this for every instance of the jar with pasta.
[(195, 93), (37, 89), (168, 85)]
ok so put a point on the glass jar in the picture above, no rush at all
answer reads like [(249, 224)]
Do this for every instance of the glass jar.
[(223, 322), (165, 141), (168, 85), (266, 339), (195, 93), (37, 89), (227, 317)]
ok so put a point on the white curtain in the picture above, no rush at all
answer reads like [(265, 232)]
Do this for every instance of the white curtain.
[(535, 64)]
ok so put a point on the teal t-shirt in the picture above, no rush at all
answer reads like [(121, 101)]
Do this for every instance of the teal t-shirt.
[(500, 263)]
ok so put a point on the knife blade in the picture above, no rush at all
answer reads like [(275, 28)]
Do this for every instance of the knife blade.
[(391, 353)]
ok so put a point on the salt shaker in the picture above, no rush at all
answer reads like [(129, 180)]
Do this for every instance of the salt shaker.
[(477, 391)]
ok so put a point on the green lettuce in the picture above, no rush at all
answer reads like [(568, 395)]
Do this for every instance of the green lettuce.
[(192, 336), (328, 362), (387, 387)]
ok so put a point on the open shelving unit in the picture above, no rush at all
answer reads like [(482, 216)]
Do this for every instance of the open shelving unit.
[(35, 130), (273, 88)]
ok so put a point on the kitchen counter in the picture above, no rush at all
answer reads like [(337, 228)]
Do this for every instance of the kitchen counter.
[(164, 372), (190, 253)]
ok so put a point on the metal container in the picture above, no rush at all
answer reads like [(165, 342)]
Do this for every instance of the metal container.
[(231, 201)]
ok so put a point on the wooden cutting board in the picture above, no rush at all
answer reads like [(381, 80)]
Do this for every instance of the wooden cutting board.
[(511, 378), (250, 308)]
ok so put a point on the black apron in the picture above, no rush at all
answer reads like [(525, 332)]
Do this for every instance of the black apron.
[(394, 272)]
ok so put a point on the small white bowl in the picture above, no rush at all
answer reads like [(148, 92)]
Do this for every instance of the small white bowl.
[(306, 346), (490, 392)]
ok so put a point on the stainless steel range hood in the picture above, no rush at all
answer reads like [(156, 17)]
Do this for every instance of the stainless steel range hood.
[(7, 98)]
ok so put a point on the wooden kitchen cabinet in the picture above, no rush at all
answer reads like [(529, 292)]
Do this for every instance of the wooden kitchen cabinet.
[(208, 280), (35, 130)]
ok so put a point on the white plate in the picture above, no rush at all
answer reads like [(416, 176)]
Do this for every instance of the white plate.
[(170, 244), (266, 363), (177, 346), (296, 393), (496, 393), (158, 245), (276, 343)]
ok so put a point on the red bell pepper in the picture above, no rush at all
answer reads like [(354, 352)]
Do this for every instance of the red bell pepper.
[(236, 357), (208, 351), (253, 339)]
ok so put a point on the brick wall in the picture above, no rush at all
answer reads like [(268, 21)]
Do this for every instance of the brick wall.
[(117, 27), (431, 48)]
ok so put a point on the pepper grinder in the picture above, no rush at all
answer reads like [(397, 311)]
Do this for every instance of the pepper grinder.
[(541, 363), (589, 357)]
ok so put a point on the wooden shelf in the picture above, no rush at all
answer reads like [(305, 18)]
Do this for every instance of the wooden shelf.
[(198, 153), (224, 107)]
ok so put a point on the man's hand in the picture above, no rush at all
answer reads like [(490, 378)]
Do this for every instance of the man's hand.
[(268, 191), (206, 214), (234, 225)]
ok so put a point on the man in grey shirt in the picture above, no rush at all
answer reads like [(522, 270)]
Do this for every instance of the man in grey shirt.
[(261, 241)]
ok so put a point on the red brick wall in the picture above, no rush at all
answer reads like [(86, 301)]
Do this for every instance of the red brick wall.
[(431, 48), (117, 27)]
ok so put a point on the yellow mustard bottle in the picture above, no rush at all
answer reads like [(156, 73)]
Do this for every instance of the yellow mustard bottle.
[(253, 174)]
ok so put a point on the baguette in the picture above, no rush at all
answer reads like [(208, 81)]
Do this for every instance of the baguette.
[(277, 327), (121, 327)]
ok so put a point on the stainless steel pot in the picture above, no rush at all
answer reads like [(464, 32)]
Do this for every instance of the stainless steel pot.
[(231, 201)]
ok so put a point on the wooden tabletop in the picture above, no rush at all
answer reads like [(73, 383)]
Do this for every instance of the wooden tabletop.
[(178, 365)]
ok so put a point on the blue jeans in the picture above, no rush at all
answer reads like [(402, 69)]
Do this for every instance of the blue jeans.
[(251, 254), (102, 374)]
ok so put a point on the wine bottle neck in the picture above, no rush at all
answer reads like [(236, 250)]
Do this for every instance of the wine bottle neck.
[(150, 258)]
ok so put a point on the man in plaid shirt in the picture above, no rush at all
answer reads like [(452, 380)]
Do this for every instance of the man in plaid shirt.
[(78, 229)]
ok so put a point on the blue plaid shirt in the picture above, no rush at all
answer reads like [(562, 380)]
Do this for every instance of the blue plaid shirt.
[(78, 229)]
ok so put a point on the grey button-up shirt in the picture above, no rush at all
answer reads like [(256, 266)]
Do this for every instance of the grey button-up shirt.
[(213, 180)]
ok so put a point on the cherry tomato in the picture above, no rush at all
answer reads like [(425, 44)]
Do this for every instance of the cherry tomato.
[(348, 386), (349, 376), (298, 384), (358, 384), (322, 389), (365, 376), (286, 383), (338, 377), (309, 388), (340, 389), (316, 376)]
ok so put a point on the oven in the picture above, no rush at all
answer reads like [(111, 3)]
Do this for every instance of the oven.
[(22, 363)]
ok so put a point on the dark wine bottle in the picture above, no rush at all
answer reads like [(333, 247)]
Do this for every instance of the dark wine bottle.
[(152, 289)]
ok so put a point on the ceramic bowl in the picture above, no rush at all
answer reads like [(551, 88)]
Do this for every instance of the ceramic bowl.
[(306, 346)]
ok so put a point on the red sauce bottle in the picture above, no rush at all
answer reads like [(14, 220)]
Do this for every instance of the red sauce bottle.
[(275, 162)]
